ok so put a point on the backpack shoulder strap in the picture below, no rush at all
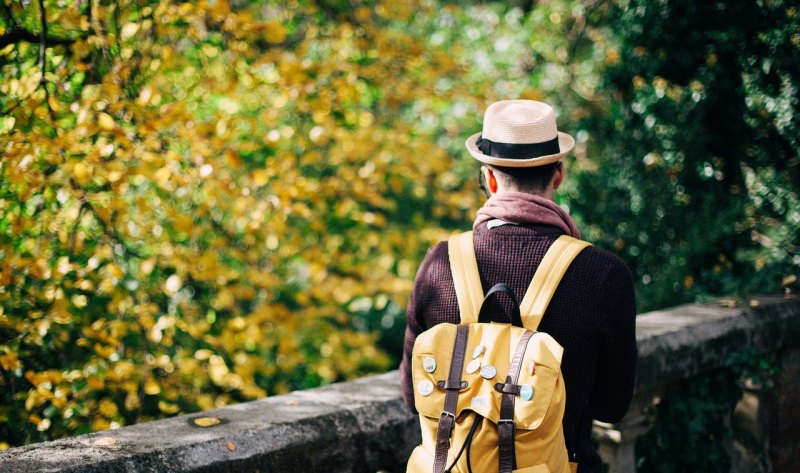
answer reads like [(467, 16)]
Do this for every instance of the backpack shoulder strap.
[(467, 280), (548, 275)]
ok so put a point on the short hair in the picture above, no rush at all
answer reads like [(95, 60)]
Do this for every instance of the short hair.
[(526, 179)]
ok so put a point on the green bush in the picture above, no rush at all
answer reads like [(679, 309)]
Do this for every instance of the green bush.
[(696, 155)]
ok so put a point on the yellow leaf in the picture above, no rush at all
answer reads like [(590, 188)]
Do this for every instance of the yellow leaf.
[(151, 387), (104, 351), (162, 175), (206, 422), (43, 425), (128, 30), (132, 402), (260, 177), (107, 408), (95, 383), (8, 124), (59, 314), (9, 361), (100, 423), (79, 300), (168, 407), (276, 32), (82, 173), (363, 14), (105, 122)]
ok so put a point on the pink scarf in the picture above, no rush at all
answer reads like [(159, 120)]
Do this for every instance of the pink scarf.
[(523, 208)]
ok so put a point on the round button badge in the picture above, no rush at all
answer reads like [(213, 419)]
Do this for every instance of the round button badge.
[(526, 392), (488, 372), (425, 388), (429, 364), (473, 366), (479, 350)]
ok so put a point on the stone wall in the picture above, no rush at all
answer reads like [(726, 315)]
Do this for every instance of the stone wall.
[(347, 427), (361, 426), (783, 417)]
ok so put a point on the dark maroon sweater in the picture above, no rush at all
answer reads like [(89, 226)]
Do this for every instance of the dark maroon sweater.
[(592, 315)]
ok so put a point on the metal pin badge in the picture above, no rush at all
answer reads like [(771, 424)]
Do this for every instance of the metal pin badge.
[(425, 388), (473, 366), (479, 350), (526, 392), (488, 372), (429, 364)]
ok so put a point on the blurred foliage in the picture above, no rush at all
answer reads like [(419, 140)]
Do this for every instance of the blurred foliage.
[(697, 149), (691, 413), (205, 203), (697, 411)]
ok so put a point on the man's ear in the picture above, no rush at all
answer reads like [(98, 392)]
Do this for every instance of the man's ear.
[(490, 179), (558, 176)]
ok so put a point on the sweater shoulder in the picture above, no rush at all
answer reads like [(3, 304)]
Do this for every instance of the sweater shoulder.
[(436, 260), (600, 271), (594, 258)]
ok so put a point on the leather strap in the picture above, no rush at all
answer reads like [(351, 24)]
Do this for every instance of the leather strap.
[(505, 427), (467, 280), (448, 416), (545, 282)]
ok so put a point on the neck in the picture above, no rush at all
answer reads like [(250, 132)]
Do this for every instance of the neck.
[(547, 193)]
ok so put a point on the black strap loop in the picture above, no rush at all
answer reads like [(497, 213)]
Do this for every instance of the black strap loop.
[(442, 384), (514, 318), (507, 388)]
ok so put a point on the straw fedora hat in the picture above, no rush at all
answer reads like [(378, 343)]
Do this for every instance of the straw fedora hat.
[(519, 133)]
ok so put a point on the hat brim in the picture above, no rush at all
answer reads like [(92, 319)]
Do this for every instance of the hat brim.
[(565, 144)]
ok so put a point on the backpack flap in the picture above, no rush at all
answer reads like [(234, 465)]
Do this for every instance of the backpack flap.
[(490, 348)]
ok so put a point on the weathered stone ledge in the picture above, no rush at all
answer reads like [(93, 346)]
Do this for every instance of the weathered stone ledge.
[(355, 426), (686, 340), (361, 426)]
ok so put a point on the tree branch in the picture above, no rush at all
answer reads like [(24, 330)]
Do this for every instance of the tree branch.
[(116, 26), (74, 232), (43, 58), (42, 38), (17, 34)]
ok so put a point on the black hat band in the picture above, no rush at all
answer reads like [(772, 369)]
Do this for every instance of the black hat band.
[(517, 150)]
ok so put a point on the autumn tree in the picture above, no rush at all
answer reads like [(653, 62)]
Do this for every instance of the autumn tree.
[(202, 204)]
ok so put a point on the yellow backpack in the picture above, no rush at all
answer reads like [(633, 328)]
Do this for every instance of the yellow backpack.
[(491, 396)]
